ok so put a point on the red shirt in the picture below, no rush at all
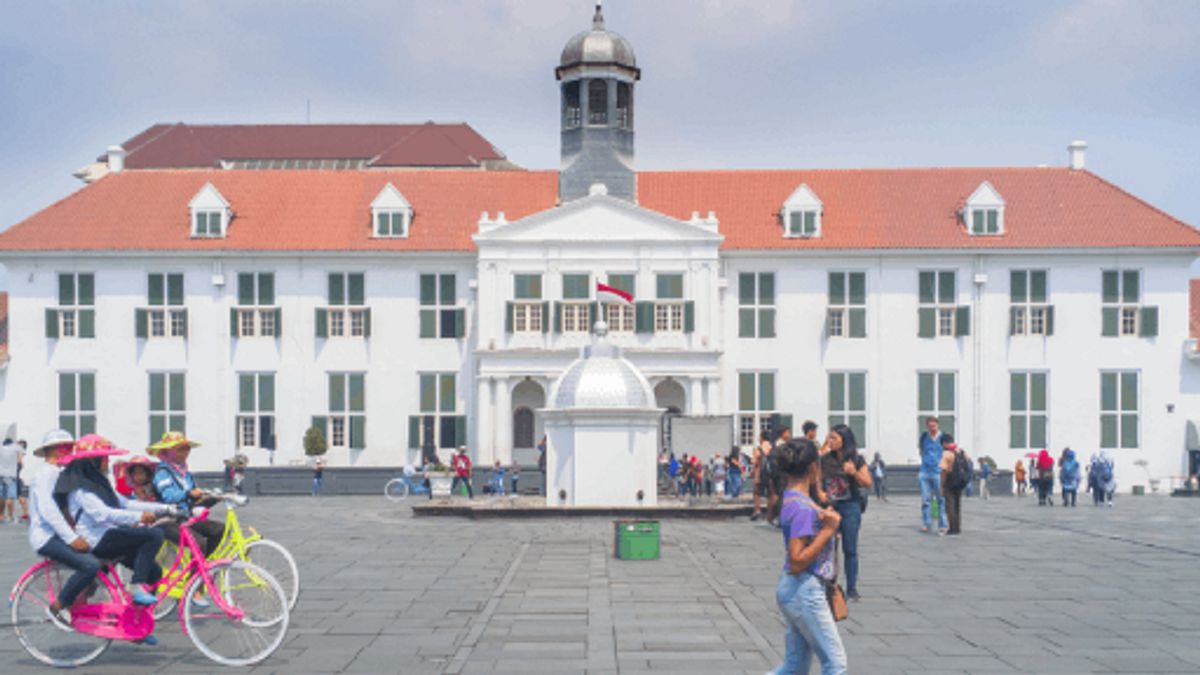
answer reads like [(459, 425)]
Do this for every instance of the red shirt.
[(462, 465)]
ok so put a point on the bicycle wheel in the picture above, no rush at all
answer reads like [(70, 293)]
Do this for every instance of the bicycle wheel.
[(274, 558), (396, 489), (231, 641), (46, 638)]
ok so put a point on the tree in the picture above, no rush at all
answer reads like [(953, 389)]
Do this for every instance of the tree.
[(314, 442)]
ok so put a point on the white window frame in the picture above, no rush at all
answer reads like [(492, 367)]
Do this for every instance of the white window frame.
[(1120, 413), (1029, 317), (1028, 412), (208, 216), (620, 318), (756, 306), (575, 315), (403, 216), (839, 312), (527, 317), (248, 420), (438, 413), (1129, 313), (944, 314), (439, 305), (668, 316), (67, 316), (756, 421), (255, 320), (167, 412), (937, 411), (847, 412), (339, 421), (78, 413)]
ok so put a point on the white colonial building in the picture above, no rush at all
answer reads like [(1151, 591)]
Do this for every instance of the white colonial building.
[(399, 286)]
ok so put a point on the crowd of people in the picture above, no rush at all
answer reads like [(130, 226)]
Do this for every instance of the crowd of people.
[(1098, 478)]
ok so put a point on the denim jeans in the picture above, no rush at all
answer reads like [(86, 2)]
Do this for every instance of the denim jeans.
[(465, 480), (851, 512), (810, 626), (931, 488), (136, 548), (733, 485), (86, 567), (317, 486)]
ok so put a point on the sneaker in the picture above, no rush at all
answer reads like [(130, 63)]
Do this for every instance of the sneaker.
[(141, 597), (755, 516), (149, 641), (200, 602), (853, 595), (925, 530)]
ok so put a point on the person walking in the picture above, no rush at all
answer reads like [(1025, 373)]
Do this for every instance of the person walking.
[(985, 472), (10, 458), (808, 539), (845, 476), (717, 472), (1019, 478), (318, 476), (930, 476), (22, 488), (956, 476), (462, 472), (1045, 478), (761, 489), (1068, 477), (878, 476), (733, 474), (1108, 478), (773, 478)]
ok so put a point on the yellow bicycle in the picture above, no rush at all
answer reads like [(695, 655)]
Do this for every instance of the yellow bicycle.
[(235, 545)]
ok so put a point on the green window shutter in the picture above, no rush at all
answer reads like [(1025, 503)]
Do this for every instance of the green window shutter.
[(508, 317), (1129, 391), (837, 391), (643, 317), (1129, 431), (358, 288), (358, 432), (141, 323), (87, 424), (367, 322), (858, 322), (1050, 320), (447, 393), (246, 393), (358, 392), (184, 322), (1108, 431), (945, 392), (414, 432), (1037, 286), (87, 392), (766, 322), (1012, 319), (158, 392), (177, 392), (448, 289), (321, 322), (428, 289), (962, 320), (1016, 432), (623, 282), (278, 311), (266, 392), (1037, 392), (558, 317), (810, 222), (1112, 286), (593, 314), (1131, 286), (245, 288), (460, 323), (1017, 392), (689, 317), (266, 289), (87, 289), (428, 393), (766, 288), (669, 286), (174, 289), (1018, 286), (925, 391), (746, 391), (158, 427), (321, 424), (233, 322), (1110, 324), (155, 292), (745, 323), (460, 430), (946, 288), (66, 290), (427, 323), (545, 316), (858, 288), (66, 392), (337, 392), (1108, 391), (337, 289), (837, 288), (87, 323), (977, 221), (1148, 324), (926, 283), (51, 323), (926, 322), (1037, 431), (766, 391), (858, 391), (993, 221)]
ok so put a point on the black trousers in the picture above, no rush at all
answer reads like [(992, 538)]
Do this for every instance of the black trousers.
[(136, 548), (208, 534), (954, 510)]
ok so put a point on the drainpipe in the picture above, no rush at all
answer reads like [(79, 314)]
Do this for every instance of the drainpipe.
[(980, 278)]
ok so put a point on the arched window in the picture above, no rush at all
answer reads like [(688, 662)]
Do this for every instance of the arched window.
[(522, 428), (571, 112), (624, 105), (598, 102)]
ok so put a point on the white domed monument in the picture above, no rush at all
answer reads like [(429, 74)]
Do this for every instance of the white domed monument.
[(602, 431)]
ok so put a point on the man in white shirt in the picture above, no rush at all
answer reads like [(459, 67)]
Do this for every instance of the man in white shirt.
[(9, 458)]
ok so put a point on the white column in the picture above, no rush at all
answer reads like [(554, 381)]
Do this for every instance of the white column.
[(713, 397), (485, 436), (695, 403), (502, 450)]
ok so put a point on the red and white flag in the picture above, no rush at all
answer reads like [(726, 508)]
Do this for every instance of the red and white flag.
[(605, 293)]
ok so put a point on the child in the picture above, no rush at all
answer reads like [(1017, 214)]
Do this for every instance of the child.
[(135, 479), (516, 475), (808, 536), (496, 480), (108, 522)]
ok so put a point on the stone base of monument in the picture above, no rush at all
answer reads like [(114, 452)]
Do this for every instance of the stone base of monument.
[(536, 507)]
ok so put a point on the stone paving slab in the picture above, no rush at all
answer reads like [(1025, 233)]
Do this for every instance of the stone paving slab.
[(1023, 590)]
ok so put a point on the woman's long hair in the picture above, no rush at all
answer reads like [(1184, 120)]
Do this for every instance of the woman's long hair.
[(849, 449), (796, 457)]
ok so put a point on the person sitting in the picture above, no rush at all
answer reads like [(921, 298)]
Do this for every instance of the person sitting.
[(50, 535), (108, 522), (175, 485), (135, 479)]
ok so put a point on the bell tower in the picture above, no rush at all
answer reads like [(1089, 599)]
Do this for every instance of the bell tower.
[(597, 74)]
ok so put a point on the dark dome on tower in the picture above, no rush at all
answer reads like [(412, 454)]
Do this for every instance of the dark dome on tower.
[(598, 46)]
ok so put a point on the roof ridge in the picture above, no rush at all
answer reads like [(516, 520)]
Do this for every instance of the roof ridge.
[(861, 169)]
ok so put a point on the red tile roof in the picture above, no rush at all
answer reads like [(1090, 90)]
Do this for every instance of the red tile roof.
[(175, 146), (1194, 311), (863, 209)]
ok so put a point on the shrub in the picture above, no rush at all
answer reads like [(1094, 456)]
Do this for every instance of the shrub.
[(314, 442)]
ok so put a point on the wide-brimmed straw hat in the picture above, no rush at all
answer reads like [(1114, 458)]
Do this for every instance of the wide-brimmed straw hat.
[(91, 445), (170, 441), (54, 439), (139, 461)]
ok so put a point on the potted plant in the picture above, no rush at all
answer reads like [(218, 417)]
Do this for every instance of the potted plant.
[(440, 479), (315, 444)]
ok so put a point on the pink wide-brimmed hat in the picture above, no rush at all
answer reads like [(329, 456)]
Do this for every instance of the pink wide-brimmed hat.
[(92, 445)]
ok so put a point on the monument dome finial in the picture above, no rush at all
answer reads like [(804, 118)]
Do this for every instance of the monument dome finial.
[(598, 18)]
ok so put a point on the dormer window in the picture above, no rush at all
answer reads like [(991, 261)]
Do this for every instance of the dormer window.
[(391, 214), (210, 213), (802, 214), (984, 212)]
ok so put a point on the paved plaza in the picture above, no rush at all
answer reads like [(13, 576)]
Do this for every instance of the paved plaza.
[(1023, 590)]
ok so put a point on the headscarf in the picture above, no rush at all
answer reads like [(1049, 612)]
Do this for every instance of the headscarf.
[(170, 457), (84, 474), (1070, 467), (1045, 461)]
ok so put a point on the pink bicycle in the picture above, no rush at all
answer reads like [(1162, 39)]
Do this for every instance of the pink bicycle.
[(243, 620)]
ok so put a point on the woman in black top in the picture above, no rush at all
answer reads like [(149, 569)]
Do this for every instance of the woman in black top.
[(845, 475)]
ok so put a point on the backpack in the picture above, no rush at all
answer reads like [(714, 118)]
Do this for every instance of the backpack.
[(1105, 471), (960, 472)]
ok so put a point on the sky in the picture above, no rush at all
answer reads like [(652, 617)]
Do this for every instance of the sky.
[(725, 83)]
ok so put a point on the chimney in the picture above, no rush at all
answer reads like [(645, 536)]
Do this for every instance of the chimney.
[(116, 159), (1077, 150)]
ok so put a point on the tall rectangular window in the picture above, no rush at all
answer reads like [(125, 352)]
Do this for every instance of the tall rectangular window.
[(756, 305), (164, 316), (256, 410), (936, 397), (574, 313), (847, 314), (937, 313), (75, 314), (1029, 311), (443, 426), (77, 403), (669, 307), (1122, 311), (1028, 421), (620, 316), (256, 313), (756, 405), (441, 317), (527, 311), (1119, 406), (168, 404), (347, 420), (346, 315), (848, 403)]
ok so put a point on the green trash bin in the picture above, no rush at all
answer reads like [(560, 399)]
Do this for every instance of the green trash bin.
[(636, 539)]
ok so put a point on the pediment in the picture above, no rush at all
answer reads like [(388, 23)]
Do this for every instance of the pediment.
[(208, 198), (985, 195), (389, 198), (600, 218)]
